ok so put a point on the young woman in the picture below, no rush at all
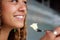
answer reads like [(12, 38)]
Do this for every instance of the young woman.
[(13, 18)]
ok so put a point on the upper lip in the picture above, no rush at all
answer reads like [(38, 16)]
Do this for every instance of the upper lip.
[(19, 14)]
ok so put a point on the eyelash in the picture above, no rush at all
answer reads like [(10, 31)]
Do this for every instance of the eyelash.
[(14, 0), (17, 1)]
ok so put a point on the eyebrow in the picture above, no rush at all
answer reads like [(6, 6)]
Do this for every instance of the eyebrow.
[(25, 0)]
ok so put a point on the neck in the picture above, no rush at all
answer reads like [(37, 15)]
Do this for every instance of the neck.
[(5, 32)]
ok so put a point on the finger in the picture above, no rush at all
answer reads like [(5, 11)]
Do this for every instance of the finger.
[(48, 36), (57, 38), (44, 37)]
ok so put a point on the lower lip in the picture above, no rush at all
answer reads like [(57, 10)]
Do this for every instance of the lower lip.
[(19, 19)]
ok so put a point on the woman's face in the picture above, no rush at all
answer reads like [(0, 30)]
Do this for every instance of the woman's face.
[(14, 12)]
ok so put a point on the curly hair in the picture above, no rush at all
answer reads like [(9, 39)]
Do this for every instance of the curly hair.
[(20, 33)]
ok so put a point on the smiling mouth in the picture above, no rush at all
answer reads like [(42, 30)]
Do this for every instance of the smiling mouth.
[(19, 17)]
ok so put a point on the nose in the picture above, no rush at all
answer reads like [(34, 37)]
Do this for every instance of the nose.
[(22, 7)]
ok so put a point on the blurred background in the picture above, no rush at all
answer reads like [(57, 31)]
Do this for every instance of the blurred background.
[(44, 12)]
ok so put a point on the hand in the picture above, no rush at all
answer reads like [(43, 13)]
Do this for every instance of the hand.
[(58, 35), (50, 36)]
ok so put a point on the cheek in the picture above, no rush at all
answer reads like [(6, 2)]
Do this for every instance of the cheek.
[(12, 9), (7, 12), (9, 8)]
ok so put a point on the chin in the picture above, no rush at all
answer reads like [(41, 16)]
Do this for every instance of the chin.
[(19, 25)]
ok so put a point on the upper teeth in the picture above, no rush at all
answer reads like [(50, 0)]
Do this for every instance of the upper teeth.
[(19, 16)]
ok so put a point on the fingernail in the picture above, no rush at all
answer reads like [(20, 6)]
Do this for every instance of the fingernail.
[(47, 31)]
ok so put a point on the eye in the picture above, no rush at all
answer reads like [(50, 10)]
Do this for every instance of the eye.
[(14, 0), (25, 2)]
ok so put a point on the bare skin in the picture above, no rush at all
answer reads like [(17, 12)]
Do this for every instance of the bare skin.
[(13, 15), (4, 33)]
